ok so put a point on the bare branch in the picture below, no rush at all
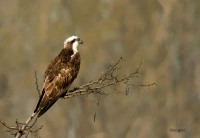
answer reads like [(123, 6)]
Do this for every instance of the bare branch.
[(36, 84), (22, 128), (6, 126), (25, 126), (111, 79)]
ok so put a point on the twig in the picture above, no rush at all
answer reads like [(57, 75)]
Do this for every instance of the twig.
[(21, 131), (8, 127), (21, 128), (36, 84)]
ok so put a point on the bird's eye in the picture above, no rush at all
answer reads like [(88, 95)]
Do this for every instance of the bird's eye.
[(73, 41)]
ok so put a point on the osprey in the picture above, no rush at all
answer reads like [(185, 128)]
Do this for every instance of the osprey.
[(59, 75)]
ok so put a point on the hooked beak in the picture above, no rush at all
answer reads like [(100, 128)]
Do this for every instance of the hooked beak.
[(80, 42)]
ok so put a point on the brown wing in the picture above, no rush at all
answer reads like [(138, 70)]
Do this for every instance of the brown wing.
[(58, 77), (52, 91)]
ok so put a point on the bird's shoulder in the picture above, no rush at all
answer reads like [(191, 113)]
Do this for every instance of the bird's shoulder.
[(58, 63)]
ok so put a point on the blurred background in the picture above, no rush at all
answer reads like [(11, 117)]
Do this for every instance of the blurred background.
[(165, 33)]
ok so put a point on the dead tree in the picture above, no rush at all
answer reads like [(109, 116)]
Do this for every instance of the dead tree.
[(111, 78)]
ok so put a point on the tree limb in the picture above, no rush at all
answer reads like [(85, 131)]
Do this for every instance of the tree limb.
[(111, 79), (21, 128)]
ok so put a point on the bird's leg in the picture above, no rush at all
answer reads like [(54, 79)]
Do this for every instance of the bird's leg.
[(63, 95), (74, 89), (66, 93)]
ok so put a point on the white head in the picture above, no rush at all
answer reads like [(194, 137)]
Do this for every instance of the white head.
[(73, 41)]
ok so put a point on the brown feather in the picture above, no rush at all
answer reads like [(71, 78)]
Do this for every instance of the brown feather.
[(58, 77)]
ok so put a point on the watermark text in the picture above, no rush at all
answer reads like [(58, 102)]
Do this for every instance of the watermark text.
[(178, 130)]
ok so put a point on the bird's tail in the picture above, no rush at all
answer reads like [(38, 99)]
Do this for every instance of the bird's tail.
[(38, 104), (43, 110), (44, 104)]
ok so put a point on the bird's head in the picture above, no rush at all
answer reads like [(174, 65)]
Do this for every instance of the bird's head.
[(73, 42)]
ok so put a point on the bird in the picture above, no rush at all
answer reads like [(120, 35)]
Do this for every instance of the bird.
[(59, 75)]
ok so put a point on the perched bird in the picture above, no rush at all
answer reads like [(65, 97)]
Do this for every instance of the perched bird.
[(59, 75)]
